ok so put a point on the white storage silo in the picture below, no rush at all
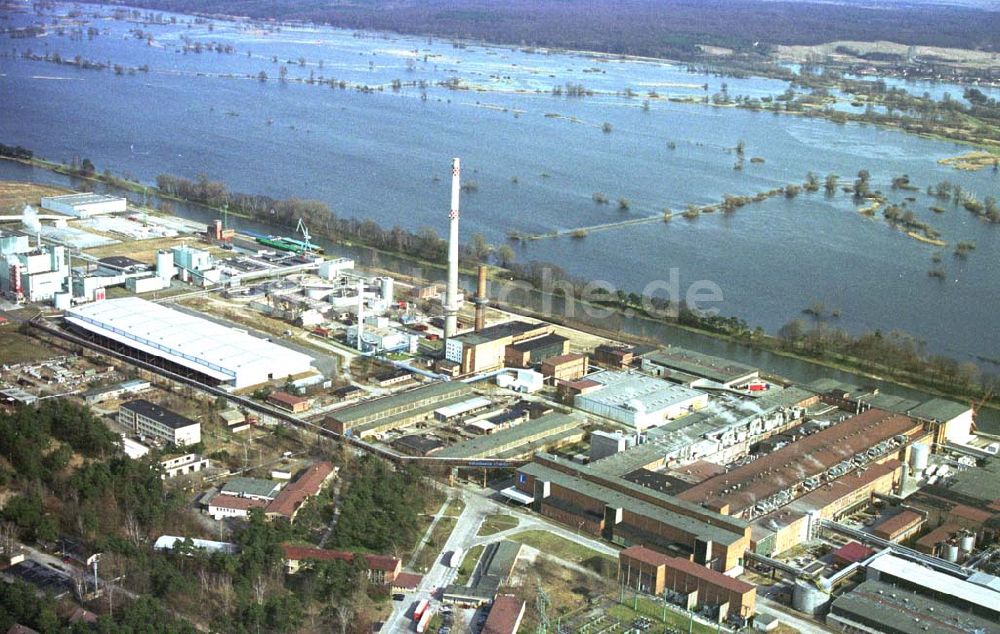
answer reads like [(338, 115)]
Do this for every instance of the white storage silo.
[(387, 290), (165, 265), (919, 456)]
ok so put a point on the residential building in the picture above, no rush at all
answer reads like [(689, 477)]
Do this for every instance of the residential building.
[(382, 569), (505, 616), (182, 465), (289, 402), (150, 420), (289, 501)]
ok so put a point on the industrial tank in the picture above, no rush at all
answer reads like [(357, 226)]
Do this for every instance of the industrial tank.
[(967, 542), (387, 290), (951, 552), (919, 455), (808, 599)]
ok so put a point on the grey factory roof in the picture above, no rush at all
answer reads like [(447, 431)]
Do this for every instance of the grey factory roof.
[(702, 365), (902, 611), (824, 385), (173, 420), (548, 425), (499, 331), (788, 397), (938, 583), (890, 402), (386, 406), (251, 486), (671, 438), (624, 388), (716, 532), (939, 409), (979, 483), (540, 342)]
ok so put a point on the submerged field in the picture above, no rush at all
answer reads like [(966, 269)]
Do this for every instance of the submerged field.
[(368, 123)]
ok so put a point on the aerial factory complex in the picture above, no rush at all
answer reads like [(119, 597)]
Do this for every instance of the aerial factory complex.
[(600, 483)]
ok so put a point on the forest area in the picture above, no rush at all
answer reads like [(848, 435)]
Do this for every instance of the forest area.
[(64, 476)]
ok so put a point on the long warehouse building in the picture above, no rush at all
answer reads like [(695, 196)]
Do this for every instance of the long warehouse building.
[(187, 344), (750, 489)]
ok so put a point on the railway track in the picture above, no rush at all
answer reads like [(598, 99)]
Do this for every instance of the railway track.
[(44, 326)]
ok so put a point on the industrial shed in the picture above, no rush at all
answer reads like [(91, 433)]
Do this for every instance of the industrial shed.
[(186, 343), (84, 205)]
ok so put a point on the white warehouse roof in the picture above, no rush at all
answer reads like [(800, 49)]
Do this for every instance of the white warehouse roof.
[(226, 354)]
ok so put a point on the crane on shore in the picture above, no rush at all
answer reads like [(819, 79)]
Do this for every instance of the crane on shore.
[(301, 228)]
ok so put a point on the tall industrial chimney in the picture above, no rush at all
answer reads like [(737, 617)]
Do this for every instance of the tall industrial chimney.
[(481, 300), (451, 296), (361, 314)]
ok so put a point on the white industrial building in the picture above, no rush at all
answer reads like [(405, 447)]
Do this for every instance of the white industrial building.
[(376, 339), (638, 400), (521, 380), (331, 269), (224, 355), (84, 205), (35, 275)]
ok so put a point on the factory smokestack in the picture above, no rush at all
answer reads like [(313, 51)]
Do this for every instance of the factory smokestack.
[(451, 296), (481, 300)]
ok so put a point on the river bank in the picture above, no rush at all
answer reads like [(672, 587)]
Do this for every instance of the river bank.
[(753, 346)]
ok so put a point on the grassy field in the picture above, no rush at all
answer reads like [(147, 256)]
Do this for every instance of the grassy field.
[(14, 196), (432, 549), (455, 508), (564, 549), (469, 564), (674, 621), (496, 523), (18, 348)]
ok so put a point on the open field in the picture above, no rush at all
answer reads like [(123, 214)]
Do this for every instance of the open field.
[(564, 549), (18, 348), (14, 195), (432, 550), (469, 564), (497, 523), (142, 250)]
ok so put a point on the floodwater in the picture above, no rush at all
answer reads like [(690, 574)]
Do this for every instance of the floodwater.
[(385, 154)]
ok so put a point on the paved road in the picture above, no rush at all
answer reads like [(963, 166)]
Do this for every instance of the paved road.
[(478, 505)]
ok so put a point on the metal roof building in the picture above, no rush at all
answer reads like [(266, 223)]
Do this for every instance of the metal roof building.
[(688, 362), (189, 343), (551, 428), (637, 399), (84, 205), (878, 606), (981, 600)]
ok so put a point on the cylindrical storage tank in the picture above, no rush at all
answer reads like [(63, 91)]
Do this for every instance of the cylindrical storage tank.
[(808, 599), (967, 542), (951, 552), (387, 290), (919, 455), (62, 301)]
